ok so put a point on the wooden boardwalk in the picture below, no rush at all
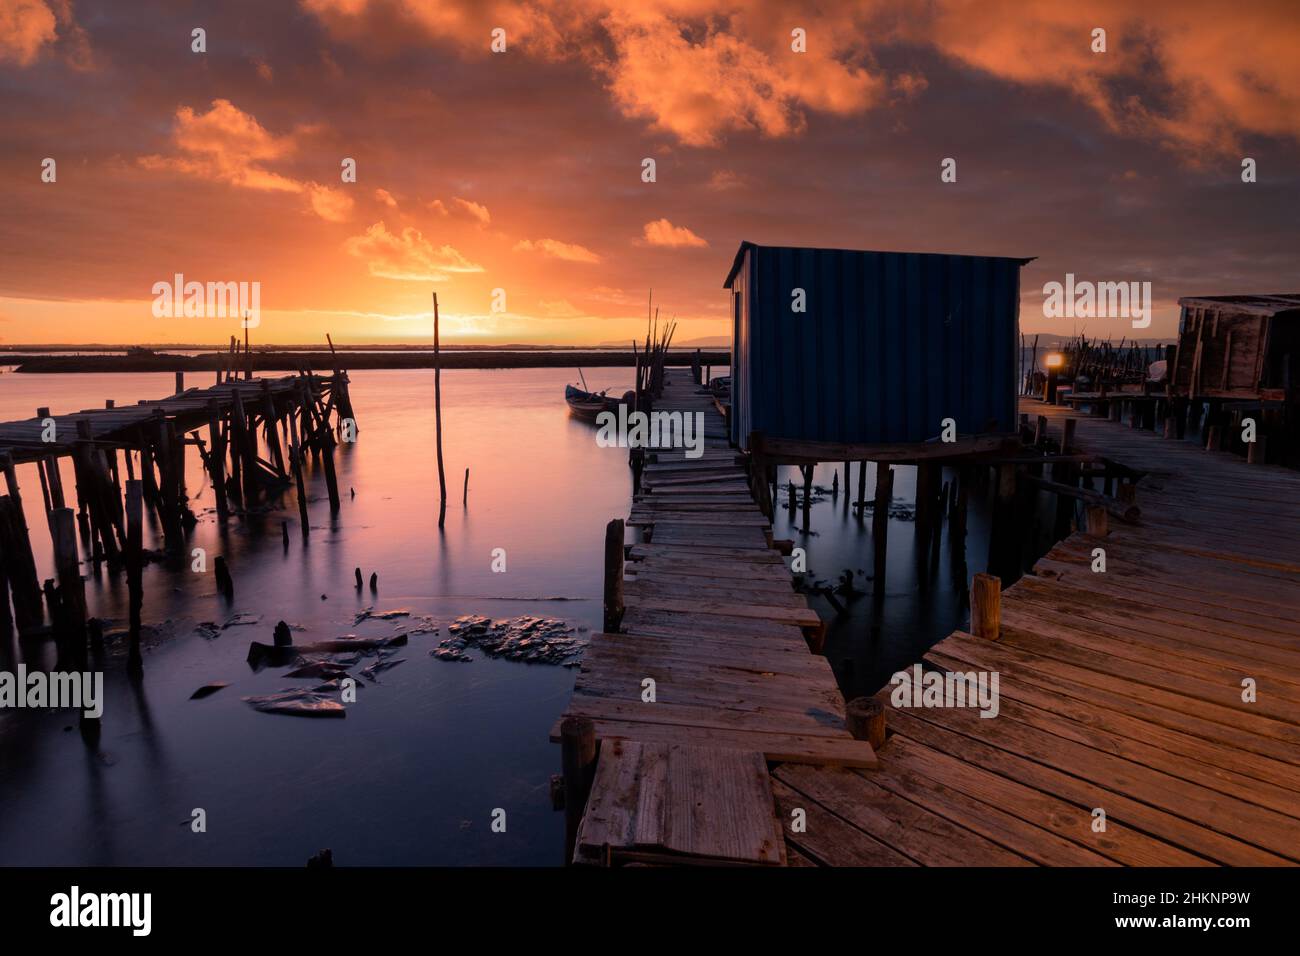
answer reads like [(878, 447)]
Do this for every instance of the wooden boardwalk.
[(713, 621), (1121, 692), (23, 440)]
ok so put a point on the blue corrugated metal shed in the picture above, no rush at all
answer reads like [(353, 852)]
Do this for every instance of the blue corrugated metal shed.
[(890, 344)]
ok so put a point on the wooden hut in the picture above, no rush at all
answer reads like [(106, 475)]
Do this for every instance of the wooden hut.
[(849, 355), (1238, 347)]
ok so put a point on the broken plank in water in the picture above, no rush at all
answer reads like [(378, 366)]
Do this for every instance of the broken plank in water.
[(297, 704), (683, 803)]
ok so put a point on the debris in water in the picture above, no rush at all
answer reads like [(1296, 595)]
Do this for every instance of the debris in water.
[(208, 689), (531, 640), (282, 636), (370, 613), (208, 630), (242, 619), (297, 703), (319, 669), (371, 670), (333, 686), (325, 858)]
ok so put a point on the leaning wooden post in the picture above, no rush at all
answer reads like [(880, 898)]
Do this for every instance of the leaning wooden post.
[(15, 551), (437, 415), (986, 606), (180, 382), (464, 495), (865, 717), (578, 763), (22, 541), (613, 575), (134, 572)]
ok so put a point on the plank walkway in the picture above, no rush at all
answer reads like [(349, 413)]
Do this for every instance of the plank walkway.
[(712, 618), (22, 439), (1120, 692)]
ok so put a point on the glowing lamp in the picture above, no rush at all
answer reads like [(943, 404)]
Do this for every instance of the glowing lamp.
[(1055, 360)]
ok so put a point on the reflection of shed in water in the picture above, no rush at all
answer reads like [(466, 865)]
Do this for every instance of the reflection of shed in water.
[(1243, 347), (850, 348)]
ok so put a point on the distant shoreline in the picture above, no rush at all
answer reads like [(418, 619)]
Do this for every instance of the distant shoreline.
[(357, 358)]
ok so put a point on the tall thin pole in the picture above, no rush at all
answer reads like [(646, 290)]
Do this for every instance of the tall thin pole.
[(437, 415)]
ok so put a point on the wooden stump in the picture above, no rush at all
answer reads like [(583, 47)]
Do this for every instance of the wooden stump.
[(986, 606), (865, 717)]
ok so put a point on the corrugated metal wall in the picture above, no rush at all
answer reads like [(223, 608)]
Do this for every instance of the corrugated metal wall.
[(890, 345)]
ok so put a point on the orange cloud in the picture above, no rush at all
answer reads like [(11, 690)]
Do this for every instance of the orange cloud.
[(227, 145), (701, 69), (568, 251), (408, 256), (332, 205), (661, 232), (699, 89), (694, 69), (1211, 85), (474, 210), (25, 27)]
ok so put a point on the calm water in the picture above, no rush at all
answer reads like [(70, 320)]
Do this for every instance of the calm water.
[(414, 772)]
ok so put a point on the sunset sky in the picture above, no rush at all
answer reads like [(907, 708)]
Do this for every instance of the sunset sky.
[(522, 170)]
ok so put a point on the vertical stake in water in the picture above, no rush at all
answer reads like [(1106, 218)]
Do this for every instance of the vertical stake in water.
[(437, 415)]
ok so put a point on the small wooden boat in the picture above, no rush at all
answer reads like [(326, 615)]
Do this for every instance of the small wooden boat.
[(587, 405)]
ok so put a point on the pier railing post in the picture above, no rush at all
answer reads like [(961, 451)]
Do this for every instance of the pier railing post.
[(1098, 521), (986, 606), (613, 575)]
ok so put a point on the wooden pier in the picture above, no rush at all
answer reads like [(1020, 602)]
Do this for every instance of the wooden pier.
[(1149, 713), (259, 432), (710, 620)]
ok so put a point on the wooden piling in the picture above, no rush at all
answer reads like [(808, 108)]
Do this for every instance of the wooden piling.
[(986, 606), (72, 594), (20, 568), (880, 523), (437, 415), (613, 601), (134, 572), (217, 460), (578, 762)]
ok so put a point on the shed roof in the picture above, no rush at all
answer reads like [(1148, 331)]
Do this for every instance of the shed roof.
[(745, 245), (1270, 304)]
